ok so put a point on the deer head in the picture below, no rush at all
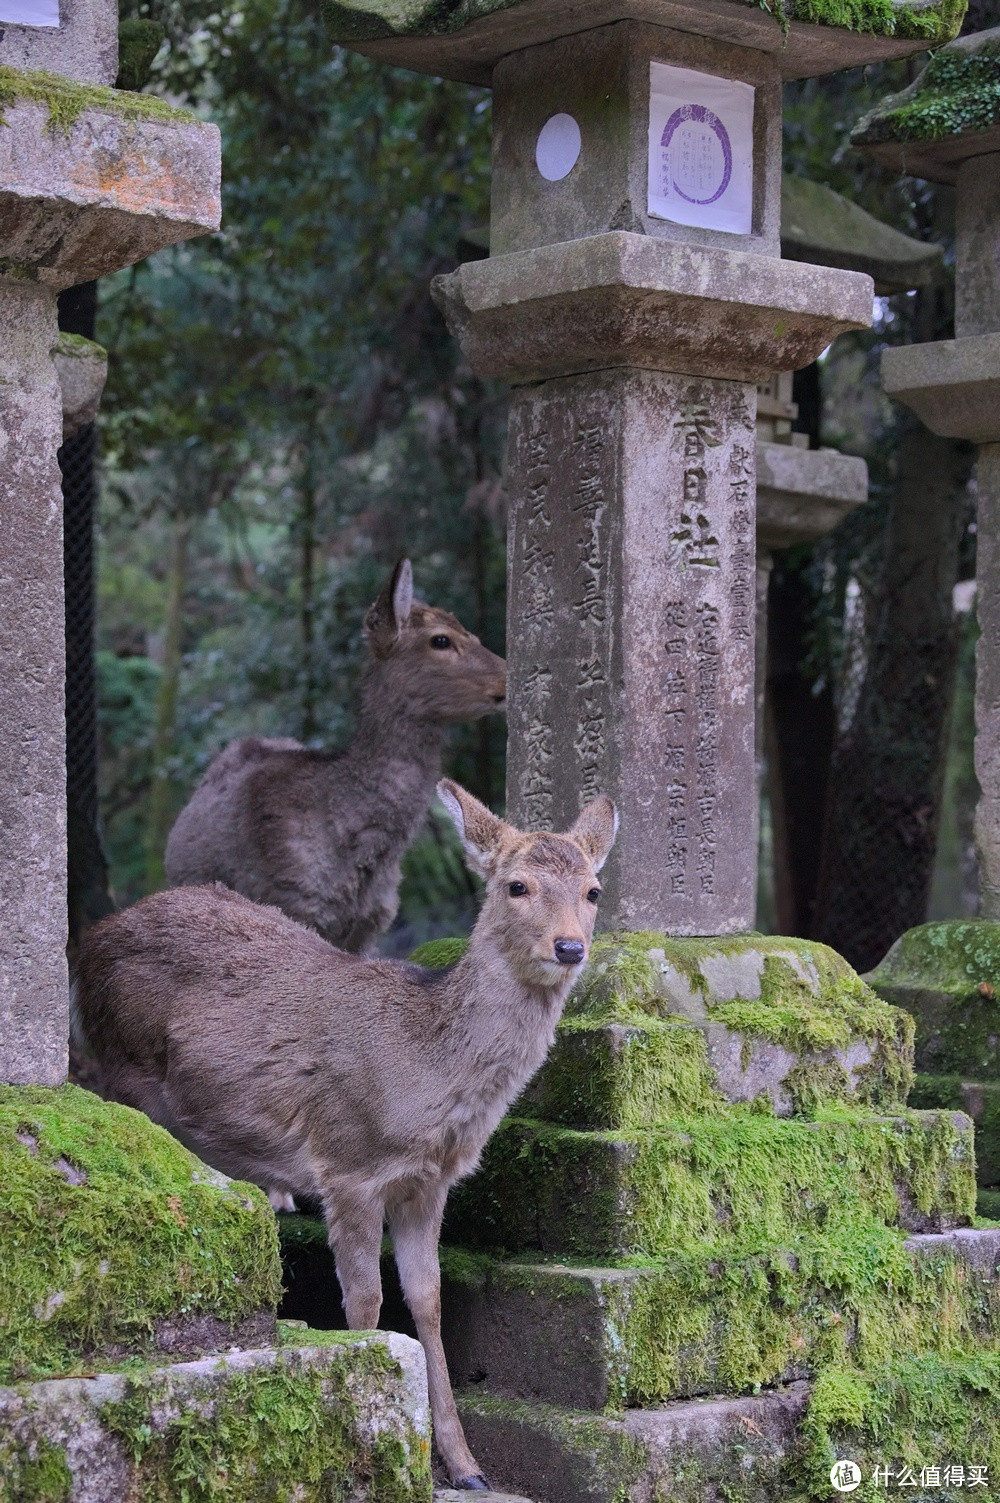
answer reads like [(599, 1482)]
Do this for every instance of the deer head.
[(542, 890), (427, 656)]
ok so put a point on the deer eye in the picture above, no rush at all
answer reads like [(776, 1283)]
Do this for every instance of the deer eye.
[(516, 889), (442, 643), (593, 895)]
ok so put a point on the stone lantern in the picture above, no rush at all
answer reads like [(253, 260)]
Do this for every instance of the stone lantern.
[(946, 127), (634, 296), (90, 181)]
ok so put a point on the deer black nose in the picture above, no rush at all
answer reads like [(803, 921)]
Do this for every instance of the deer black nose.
[(569, 951)]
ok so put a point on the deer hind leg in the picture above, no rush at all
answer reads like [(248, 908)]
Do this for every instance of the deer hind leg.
[(415, 1225), (354, 1229)]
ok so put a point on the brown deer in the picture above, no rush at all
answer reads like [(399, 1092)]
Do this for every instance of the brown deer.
[(321, 835), (371, 1084)]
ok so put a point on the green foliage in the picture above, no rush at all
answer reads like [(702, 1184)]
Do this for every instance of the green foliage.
[(108, 1225), (958, 92)]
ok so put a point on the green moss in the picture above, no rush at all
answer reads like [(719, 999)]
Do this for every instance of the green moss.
[(981, 1101), (366, 20), (34, 1474), (139, 40), (65, 99), (592, 1459), (947, 976), (296, 1428), (108, 1225), (743, 1180), (76, 347), (988, 1205), (440, 952), (911, 1410), (957, 93)]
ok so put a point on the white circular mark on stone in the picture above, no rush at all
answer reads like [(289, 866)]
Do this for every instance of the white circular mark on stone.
[(557, 147)]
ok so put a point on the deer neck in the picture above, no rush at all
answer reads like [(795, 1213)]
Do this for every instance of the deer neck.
[(395, 750), (502, 1026)]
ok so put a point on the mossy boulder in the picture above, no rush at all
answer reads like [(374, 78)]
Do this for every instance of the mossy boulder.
[(116, 1239), (746, 1177), (947, 976), (315, 1419), (981, 1101)]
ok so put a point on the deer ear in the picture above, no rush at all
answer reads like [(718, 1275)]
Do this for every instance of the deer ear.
[(480, 832), (595, 829), (386, 617)]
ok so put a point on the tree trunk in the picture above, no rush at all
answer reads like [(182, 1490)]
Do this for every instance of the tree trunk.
[(161, 795)]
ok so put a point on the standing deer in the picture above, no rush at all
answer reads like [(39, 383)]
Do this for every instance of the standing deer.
[(371, 1084), (321, 835)]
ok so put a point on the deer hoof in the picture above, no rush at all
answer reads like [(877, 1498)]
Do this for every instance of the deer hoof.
[(476, 1484)]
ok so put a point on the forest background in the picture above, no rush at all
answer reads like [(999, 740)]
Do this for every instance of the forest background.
[(286, 415)]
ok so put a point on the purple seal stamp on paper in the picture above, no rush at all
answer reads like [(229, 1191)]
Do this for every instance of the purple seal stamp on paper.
[(699, 114)]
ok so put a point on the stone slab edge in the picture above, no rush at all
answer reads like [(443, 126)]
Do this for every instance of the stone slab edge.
[(953, 385)]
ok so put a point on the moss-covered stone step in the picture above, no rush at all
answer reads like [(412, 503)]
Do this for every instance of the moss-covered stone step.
[(115, 1239), (659, 1028), (743, 1450), (716, 1320), (752, 1177), (908, 1414), (328, 1417), (947, 976), (981, 1101)]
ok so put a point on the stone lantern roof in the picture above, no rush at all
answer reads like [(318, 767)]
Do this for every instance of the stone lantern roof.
[(950, 113), (465, 39)]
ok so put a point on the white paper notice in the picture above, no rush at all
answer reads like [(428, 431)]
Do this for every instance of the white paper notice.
[(700, 149), (29, 12)]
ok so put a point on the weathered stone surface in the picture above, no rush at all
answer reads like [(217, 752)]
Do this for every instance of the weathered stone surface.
[(621, 299), (343, 1416), (117, 1240), (689, 1452), (978, 1099), (949, 114), (987, 743), (619, 1338), (630, 622), (109, 190), (610, 1196), (466, 42), (824, 227), (977, 266), (452, 1495), (81, 370), (953, 385), (601, 79), (83, 46), (33, 999), (947, 975), (804, 493)]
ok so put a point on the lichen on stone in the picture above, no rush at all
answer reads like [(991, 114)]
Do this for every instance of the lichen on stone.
[(958, 93), (108, 1226), (65, 99)]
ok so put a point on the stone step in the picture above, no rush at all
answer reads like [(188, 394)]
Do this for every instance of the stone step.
[(661, 1028), (455, 1495), (936, 1411), (979, 1099), (342, 1415), (609, 1196), (718, 1322), (947, 976), (741, 1450)]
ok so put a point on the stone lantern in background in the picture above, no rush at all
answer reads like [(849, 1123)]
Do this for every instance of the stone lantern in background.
[(946, 128)]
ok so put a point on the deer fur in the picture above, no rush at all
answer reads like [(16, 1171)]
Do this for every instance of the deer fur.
[(321, 835), (370, 1084)]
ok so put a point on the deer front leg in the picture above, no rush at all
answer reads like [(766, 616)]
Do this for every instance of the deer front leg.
[(354, 1230), (415, 1225)]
